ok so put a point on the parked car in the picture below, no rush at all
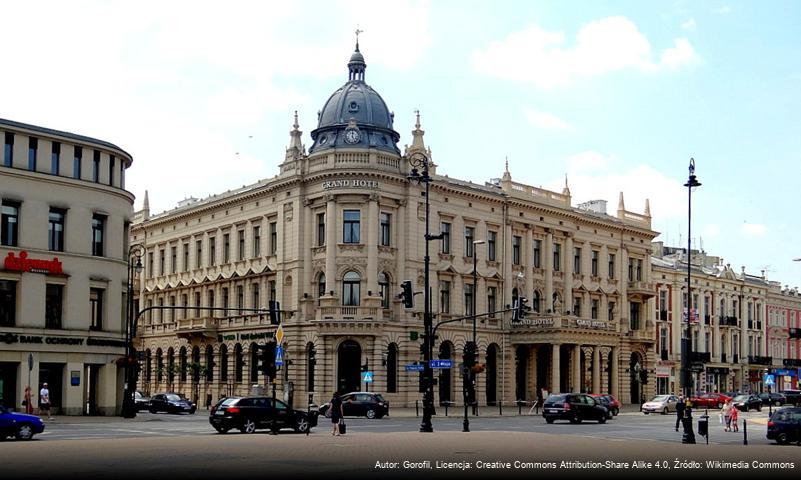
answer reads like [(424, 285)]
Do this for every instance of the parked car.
[(574, 407), (608, 401), (171, 403), (772, 398), (747, 402), (142, 401), (249, 414), (710, 400), (663, 404), (792, 396), (19, 425), (360, 404), (785, 425)]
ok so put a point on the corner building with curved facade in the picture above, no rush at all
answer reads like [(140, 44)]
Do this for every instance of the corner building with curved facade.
[(336, 232)]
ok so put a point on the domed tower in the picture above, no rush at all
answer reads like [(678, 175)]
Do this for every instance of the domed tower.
[(355, 116)]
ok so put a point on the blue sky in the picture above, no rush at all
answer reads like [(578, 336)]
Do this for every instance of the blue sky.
[(617, 95)]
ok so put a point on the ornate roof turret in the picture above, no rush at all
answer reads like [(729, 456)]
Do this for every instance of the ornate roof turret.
[(296, 147)]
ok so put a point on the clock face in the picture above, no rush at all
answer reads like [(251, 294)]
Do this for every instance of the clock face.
[(352, 136)]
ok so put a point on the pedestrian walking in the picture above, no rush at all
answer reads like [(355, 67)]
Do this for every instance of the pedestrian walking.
[(679, 411), (726, 412), (734, 413), (44, 401), (337, 414), (28, 402)]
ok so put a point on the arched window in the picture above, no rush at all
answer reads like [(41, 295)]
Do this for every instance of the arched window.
[(170, 365), (148, 366), (321, 285), (350, 289), (311, 362), (223, 363), (239, 363), (195, 364), (392, 368), (209, 363), (254, 363), (159, 365), (535, 301), (383, 286), (182, 364)]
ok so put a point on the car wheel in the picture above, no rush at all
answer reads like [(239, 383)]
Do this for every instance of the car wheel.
[(192, 411), (24, 432), (609, 415), (221, 429), (615, 412), (249, 426), (777, 403), (302, 426), (645, 412), (370, 414), (575, 418), (720, 405), (759, 408), (152, 410), (665, 411), (602, 419), (549, 420), (782, 438)]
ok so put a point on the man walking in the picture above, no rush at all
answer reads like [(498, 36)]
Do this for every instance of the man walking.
[(44, 401), (679, 411)]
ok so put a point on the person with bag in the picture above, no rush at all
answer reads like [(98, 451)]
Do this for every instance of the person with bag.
[(734, 413), (337, 415), (726, 411)]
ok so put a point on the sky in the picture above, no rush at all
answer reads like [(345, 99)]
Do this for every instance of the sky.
[(615, 95)]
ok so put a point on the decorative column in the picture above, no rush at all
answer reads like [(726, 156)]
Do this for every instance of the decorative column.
[(596, 369), (605, 374), (372, 245), (330, 244), (548, 264), (528, 256), (615, 373), (575, 368), (567, 294), (555, 369)]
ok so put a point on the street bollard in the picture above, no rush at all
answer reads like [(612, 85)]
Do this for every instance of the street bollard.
[(500, 408), (745, 432), (687, 422), (417, 408), (446, 407)]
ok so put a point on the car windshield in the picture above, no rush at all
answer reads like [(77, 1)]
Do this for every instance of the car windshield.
[(173, 397), (660, 398), (740, 398), (379, 398), (556, 398)]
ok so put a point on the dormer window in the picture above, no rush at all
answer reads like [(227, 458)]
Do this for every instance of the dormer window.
[(353, 107)]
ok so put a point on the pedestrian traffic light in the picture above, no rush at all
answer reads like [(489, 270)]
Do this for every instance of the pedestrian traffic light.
[(644, 376), (522, 308), (265, 358), (365, 367), (406, 295), (469, 354), (275, 312)]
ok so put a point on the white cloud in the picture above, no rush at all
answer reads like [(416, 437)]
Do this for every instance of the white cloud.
[(689, 24), (710, 231), (602, 46), (724, 10), (753, 229), (585, 162), (545, 120)]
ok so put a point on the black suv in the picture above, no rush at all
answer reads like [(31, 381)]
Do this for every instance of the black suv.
[(776, 399), (747, 402), (792, 396), (574, 407), (785, 425), (171, 403), (360, 404), (251, 413)]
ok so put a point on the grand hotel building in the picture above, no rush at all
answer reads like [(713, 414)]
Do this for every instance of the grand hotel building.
[(336, 232)]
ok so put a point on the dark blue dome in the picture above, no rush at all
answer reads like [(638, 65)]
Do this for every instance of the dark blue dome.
[(355, 106)]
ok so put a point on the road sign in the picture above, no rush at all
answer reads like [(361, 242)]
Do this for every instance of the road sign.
[(367, 377), (279, 355), (441, 363), (414, 367), (768, 380), (279, 334)]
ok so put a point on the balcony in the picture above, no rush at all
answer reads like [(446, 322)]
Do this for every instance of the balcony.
[(359, 314), (792, 362), (728, 322), (644, 289), (196, 327), (759, 360), (700, 357)]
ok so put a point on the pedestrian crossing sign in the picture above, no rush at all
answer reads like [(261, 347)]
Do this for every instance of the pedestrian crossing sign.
[(367, 377), (279, 356), (768, 380)]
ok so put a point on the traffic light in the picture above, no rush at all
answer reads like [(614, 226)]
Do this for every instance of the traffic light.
[(365, 367), (265, 358), (407, 295), (469, 354), (516, 310), (275, 312), (644, 376), (522, 308)]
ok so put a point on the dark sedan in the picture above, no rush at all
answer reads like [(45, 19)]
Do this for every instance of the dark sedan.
[(360, 404), (171, 403), (574, 407), (19, 425), (247, 414), (776, 399), (747, 402)]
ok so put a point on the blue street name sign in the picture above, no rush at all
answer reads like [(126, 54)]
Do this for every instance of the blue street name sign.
[(414, 367), (441, 363)]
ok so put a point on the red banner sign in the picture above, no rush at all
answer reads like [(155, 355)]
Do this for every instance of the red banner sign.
[(25, 264)]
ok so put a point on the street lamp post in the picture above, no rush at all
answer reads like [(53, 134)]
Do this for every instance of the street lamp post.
[(134, 266), (471, 349), (420, 160), (686, 378)]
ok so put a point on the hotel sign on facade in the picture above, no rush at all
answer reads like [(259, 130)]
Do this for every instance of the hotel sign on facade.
[(348, 183)]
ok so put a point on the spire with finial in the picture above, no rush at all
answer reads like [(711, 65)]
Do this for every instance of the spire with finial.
[(146, 207), (566, 190), (647, 208), (418, 145), (295, 148), (356, 65), (621, 207)]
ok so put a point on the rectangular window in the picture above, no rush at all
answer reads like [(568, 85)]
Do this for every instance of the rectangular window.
[(55, 158), (274, 238), (198, 252), (351, 226), (537, 253), (610, 311), (226, 248), (111, 169), (256, 299), (55, 230), (468, 299), (241, 242), (8, 150), (240, 299), (611, 265), (445, 296), (385, 229), (33, 146), (212, 251), (96, 307), (211, 303), (256, 241), (185, 251), (98, 234), (576, 260), (594, 263), (639, 270), (96, 167), (594, 309), (634, 316), (162, 262), (577, 306), (173, 259), (492, 238), (225, 301), (8, 303), (54, 302), (271, 287), (150, 270), (9, 223), (516, 242), (469, 235), (197, 304), (662, 302), (445, 229), (76, 163), (557, 257), (320, 229), (492, 298), (170, 313)]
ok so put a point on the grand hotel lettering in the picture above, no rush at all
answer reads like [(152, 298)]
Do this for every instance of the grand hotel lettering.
[(346, 183)]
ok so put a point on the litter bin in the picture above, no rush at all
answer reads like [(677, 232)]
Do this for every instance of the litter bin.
[(703, 425)]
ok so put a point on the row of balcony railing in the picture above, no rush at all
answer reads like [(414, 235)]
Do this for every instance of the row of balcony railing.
[(727, 321)]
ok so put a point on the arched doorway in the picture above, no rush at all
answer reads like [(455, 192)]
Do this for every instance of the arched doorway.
[(635, 364), (349, 359), (445, 378), (491, 372)]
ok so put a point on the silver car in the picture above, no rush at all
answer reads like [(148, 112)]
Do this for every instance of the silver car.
[(661, 403)]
